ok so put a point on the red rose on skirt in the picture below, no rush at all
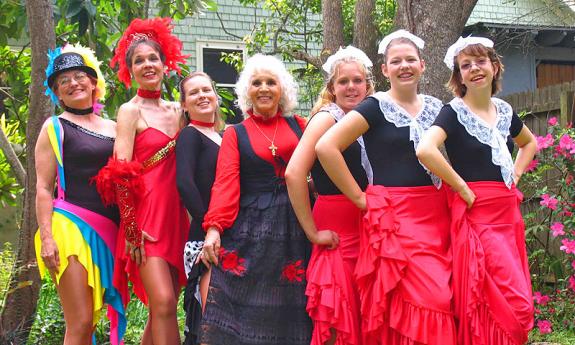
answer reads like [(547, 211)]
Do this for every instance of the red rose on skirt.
[(231, 262), (294, 271)]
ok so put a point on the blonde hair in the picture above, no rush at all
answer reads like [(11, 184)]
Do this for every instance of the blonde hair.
[(326, 95)]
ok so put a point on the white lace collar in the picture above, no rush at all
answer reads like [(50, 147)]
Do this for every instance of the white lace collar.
[(395, 114), (337, 113), (495, 137)]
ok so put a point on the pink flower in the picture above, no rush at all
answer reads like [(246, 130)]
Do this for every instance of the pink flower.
[(540, 299), (532, 166), (544, 326), (552, 121), (566, 143), (544, 142), (568, 179), (573, 264), (557, 229), (548, 201), (572, 283), (568, 246)]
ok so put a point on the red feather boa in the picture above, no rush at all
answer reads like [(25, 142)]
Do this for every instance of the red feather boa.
[(119, 172)]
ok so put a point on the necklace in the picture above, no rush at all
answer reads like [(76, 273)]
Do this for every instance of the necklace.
[(272, 147)]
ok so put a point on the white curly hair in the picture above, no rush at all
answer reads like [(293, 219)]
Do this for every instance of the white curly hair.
[(271, 64)]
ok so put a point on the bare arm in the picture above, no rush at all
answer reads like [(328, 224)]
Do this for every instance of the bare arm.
[(46, 166), (126, 127), (296, 174), (428, 153), (329, 151), (527, 149)]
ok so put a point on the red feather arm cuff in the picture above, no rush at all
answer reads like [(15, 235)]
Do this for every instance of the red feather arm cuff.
[(120, 182)]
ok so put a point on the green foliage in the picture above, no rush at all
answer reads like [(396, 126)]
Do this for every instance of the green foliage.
[(550, 232), (49, 326), (7, 259)]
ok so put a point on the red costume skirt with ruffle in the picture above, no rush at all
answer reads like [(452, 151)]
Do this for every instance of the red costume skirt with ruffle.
[(404, 267), (491, 282), (333, 301)]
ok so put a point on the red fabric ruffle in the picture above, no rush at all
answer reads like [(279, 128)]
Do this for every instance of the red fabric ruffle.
[(411, 321), (491, 233), (330, 304), (381, 263)]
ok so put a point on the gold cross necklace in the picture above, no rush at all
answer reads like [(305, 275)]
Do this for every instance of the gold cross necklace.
[(272, 147)]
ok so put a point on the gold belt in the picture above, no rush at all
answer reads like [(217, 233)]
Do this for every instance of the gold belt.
[(160, 155)]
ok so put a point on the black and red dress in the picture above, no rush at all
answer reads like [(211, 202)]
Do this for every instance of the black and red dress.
[(491, 281), (257, 292), (404, 266)]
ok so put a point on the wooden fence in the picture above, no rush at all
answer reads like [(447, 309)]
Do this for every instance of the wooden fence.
[(544, 103)]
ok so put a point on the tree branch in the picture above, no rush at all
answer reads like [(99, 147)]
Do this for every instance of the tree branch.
[(12, 159), (226, 30)]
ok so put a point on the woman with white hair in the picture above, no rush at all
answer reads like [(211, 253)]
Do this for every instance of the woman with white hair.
[(335, 223), (254, 242), (404, 265)]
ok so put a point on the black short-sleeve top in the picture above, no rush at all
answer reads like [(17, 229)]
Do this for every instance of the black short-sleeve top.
[(477, 151), (392, 138)]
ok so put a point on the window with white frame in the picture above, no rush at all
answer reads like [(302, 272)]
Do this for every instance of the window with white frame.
[(209, 60)]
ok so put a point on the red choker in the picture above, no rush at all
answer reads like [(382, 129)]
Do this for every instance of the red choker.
[(202, 123), (149, 94)]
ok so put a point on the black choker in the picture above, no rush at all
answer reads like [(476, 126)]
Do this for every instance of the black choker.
[(79, 111)]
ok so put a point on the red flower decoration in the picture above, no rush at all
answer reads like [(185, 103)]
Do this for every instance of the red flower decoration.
[(294, 271), (231, 262)]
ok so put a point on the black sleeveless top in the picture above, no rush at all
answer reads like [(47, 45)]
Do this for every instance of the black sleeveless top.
[(84, 154), (352, 157), (258, 179)]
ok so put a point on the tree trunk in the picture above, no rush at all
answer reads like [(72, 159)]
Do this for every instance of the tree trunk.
[(332, 27), (439, 24), (18, 314), (365, 36)]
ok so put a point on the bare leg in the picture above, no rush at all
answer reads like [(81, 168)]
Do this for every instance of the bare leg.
[(76, 298), (333, 337), (162, 289), (204, 285)]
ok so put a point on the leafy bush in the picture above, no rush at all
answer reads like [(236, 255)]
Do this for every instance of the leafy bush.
[(7, 257), (550, 230)]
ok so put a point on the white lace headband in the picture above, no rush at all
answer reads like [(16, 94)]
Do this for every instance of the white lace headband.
[(461, 44), (347, 52), (419, 43)]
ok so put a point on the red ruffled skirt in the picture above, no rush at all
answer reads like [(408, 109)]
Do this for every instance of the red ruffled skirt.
[(491, 282), (404, 267), (333, 300)]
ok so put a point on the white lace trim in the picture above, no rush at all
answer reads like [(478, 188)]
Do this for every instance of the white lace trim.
[(395, 114), (338, 113), (495, 137)]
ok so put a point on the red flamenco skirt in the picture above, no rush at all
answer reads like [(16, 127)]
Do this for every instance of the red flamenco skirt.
[(491, 282), (333, 301), (404, 267)]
